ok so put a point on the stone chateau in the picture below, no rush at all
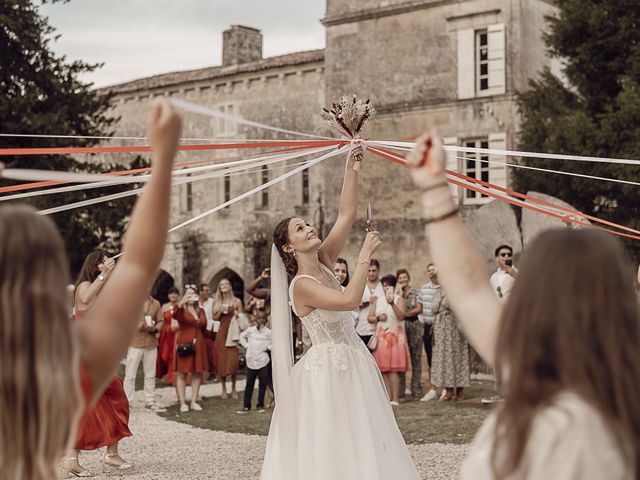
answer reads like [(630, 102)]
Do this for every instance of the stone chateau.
[(456, 64)]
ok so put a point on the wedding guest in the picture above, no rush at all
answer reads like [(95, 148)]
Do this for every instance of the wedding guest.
[(425, 296), (144, 348), (373, 288), (167, 339), (226, 306), (206, 303), (565, 344), (255, 290), (415, 332), (502, 281), (190, 355), (108, 422), (391, 352), (39, 414), (341, 270), (257, 341), (450, 368)]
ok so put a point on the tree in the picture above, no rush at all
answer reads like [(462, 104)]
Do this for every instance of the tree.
[(40, 93), (595, 111)]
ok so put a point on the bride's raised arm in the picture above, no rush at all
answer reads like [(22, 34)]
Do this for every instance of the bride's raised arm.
[(334, 243)]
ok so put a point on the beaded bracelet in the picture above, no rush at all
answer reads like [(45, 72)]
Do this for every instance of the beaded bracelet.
[(442, 217)]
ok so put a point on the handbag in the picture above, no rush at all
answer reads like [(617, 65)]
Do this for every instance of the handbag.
[(372, 344), (188, 349), (233, 335)]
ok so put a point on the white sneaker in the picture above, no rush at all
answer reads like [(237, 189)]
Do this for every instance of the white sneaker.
[(184, 408), (443, 394), (196, 407), (430, 395), (394, 403)]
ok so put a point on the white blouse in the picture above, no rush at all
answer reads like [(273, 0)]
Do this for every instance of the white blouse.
[(568, 440)]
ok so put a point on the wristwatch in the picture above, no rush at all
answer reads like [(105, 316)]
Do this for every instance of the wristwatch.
[(101, 277)]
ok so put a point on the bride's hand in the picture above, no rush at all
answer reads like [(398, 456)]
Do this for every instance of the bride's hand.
[(371, 242), (427, 160)]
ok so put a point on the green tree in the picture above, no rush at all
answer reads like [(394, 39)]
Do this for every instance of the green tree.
[(595, 111), (40, 93)]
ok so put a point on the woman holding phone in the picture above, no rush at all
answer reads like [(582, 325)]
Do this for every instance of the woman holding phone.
[(391, 352)]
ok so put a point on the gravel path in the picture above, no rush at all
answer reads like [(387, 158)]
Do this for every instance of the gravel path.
[(162, 449)]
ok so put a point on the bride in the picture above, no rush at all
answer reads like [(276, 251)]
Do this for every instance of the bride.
[(333, 419)]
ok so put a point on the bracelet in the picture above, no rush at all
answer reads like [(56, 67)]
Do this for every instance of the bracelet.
[(365, 262), (442, 217)]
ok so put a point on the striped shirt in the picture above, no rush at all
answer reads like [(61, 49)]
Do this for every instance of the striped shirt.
[(425, 297)]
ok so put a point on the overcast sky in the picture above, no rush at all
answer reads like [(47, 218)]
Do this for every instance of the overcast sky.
[(136, 38)]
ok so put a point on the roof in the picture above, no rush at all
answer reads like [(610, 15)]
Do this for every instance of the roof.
[(211, 73)]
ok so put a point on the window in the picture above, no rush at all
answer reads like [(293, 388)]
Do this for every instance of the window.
[(476, 166), (225, 127), (481, 61), (227, 189), (305, 187), (265, 192), (186, 204)]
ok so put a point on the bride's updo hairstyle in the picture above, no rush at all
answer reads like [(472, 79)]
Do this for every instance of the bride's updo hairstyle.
[(280, 239)]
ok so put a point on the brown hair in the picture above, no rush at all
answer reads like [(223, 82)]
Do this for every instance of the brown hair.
[(571, 323), (40, 396), (90, 271), (280, 239)]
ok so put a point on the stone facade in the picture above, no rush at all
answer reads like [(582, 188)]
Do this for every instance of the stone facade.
[(412, 59)]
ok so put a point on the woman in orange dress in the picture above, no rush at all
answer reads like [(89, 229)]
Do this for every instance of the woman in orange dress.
[(225, 307), (108, 422), (190, 355), (167, 340)]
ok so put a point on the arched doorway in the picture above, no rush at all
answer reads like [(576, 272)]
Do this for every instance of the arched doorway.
[(237, 284), (161, 285)]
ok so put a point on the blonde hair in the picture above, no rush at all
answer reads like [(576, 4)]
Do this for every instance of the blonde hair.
[(40, 395), (219, 298)]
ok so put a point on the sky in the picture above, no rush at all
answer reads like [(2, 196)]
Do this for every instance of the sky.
[(138, 38)]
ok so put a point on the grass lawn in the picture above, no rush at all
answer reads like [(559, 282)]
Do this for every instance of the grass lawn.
[(420, 422)]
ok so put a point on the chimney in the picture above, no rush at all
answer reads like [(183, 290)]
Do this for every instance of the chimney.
[(240, 45)]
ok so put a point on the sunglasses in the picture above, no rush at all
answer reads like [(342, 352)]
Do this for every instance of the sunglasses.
[(190, 286)]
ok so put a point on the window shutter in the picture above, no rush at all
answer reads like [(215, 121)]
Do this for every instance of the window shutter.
[(498, 173), (496, 40), (452, 164), (466, 63)]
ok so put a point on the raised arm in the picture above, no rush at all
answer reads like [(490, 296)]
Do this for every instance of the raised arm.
[(309, 295), (110, 324), (253, 290), (461, 268), (347, 212)]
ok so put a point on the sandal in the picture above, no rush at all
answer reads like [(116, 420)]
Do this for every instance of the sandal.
[(109, 466), (70, 472)]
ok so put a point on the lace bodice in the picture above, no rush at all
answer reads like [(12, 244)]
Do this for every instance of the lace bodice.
[(327, 327)]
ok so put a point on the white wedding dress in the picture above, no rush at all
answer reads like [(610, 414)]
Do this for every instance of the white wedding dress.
[(341, 425)]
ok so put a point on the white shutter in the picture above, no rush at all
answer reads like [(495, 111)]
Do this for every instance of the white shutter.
[(496, 53), (466, 63), (498, 172), (453, 164)]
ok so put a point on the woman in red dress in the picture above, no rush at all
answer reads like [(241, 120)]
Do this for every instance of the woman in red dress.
[(108, 422), (190, 355), (167, 340)]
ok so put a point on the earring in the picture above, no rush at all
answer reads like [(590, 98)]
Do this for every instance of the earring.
[(294, 253)]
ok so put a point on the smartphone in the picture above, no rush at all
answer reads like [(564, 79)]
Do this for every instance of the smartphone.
[(508, 262)]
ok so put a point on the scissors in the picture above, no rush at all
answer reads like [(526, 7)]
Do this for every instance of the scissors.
[(369, 227)]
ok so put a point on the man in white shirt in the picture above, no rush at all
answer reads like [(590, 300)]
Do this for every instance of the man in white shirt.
[(373, 288), (504, 277), (206, 303), (502, 282)]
